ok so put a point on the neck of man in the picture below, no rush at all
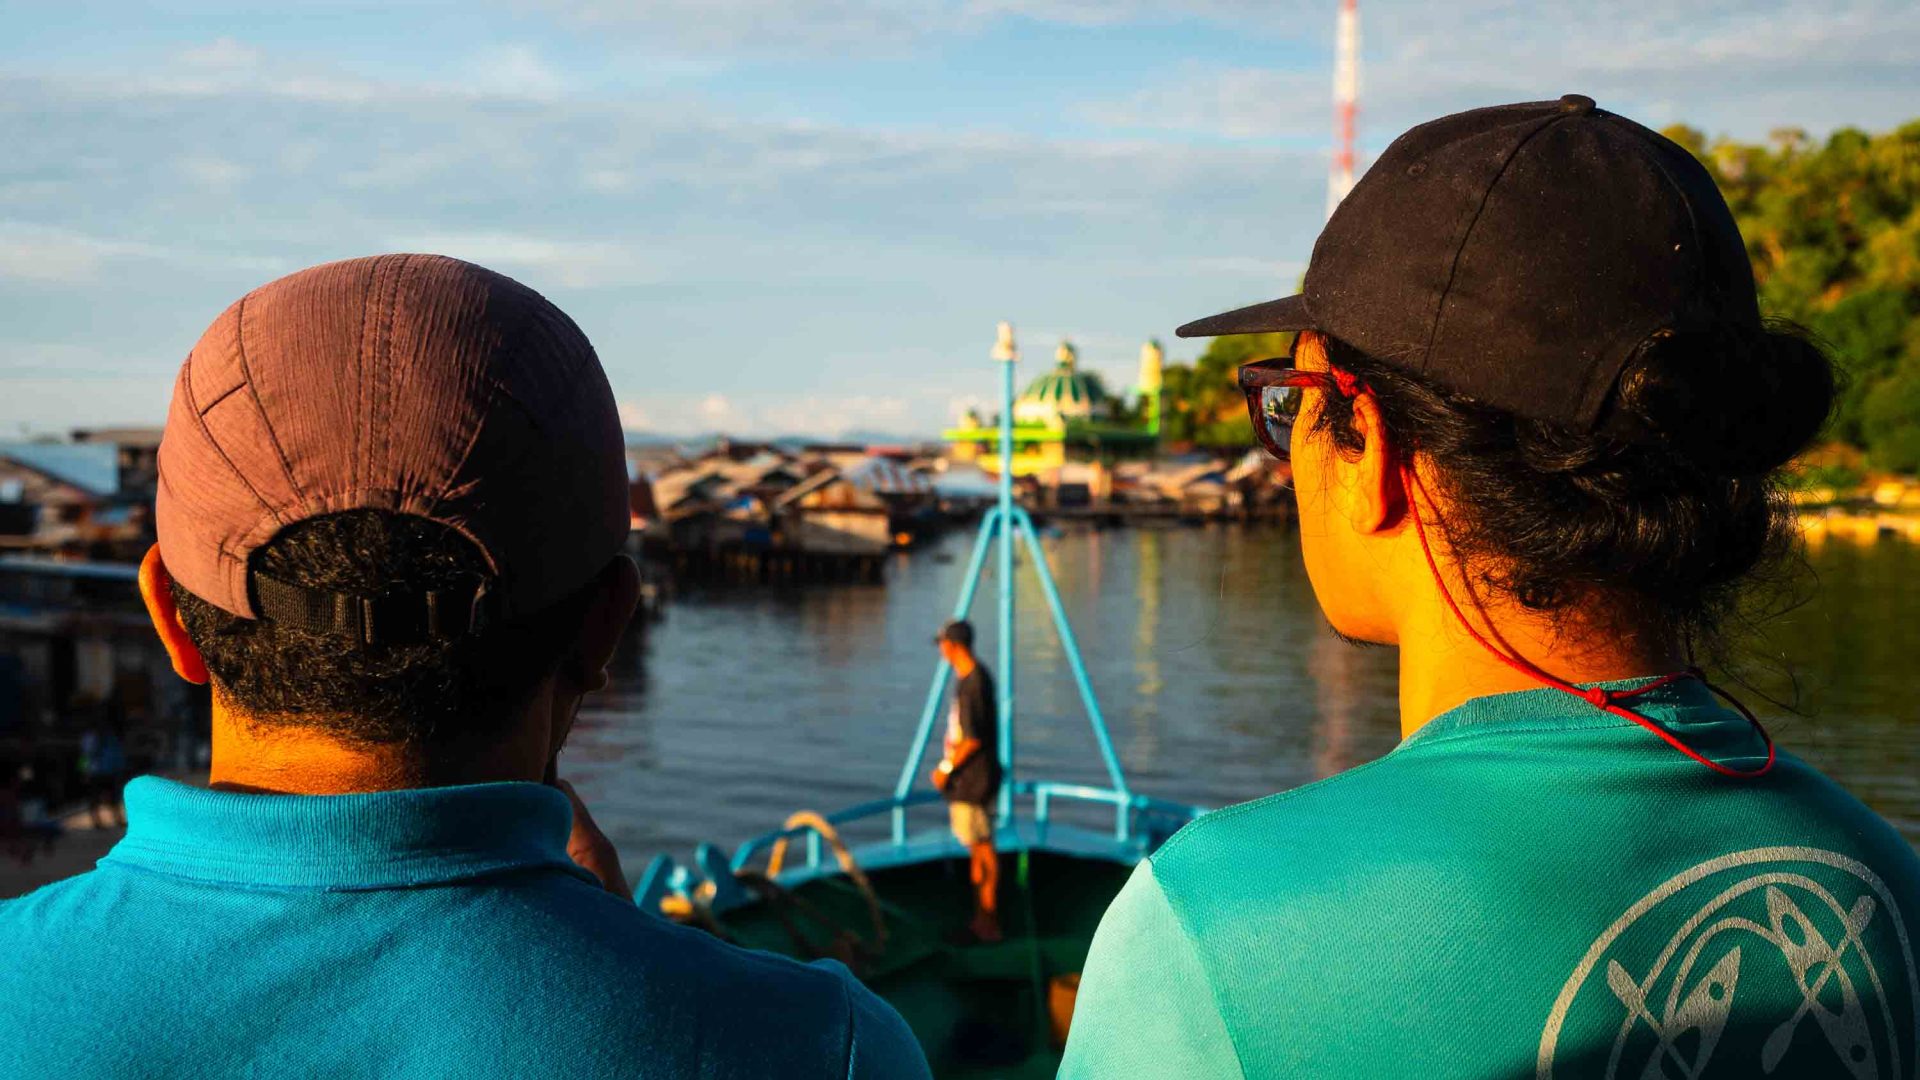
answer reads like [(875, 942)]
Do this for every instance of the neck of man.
[(1442, 666), (963, 664), (286, 759)]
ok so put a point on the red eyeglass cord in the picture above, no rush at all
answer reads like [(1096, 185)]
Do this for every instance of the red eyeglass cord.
[(1600, 699)]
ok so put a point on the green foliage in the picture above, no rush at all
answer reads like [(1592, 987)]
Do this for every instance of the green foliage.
[(1201, 401), (1832, 477), (1834, 234), (1890, 419)]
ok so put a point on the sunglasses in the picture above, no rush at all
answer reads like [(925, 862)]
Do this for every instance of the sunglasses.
[(1274, 389)]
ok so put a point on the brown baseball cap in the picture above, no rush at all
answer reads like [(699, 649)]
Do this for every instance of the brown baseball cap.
[(417, 384)]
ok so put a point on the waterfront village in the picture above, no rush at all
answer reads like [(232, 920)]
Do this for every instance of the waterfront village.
[(78, 660)]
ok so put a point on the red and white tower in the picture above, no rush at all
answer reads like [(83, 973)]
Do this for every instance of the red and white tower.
[(1346, 93)]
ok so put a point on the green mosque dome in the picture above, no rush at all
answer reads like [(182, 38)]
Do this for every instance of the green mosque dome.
[(1063, 394)]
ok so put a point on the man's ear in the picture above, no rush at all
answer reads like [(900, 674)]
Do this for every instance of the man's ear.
[(157, 592), (616, 592), (1380, 497)]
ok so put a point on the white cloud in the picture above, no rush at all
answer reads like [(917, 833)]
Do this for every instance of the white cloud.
[(837, 415), (220, 54), (634, 416), (65, 359), (1114, 12), (1744, 67), (515, 71), (227, 66), (718, 412), (765, 26), (771, 414), (1285, 271), (297, 155), (42, 253), (607, 181), (575, 264), (742, 252), (49, 404), (782, 27), (46, 253), (872, 259), (1238, 103), (212, 173)]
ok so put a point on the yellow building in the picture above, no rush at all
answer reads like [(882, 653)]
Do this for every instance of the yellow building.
[(1068, 415)]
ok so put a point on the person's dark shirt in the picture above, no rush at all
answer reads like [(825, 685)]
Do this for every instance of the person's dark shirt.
[(975, 715)]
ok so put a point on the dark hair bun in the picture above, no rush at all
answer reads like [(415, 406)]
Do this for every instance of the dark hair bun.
[(1734, 401)]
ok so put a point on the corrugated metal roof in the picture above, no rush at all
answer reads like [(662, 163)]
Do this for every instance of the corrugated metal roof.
[(147, 437), (13, 564), (884, 476), (91, 467)]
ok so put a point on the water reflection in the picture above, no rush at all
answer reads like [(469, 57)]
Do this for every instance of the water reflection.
[(1339, 699), (1848, 656), (1219, 680)]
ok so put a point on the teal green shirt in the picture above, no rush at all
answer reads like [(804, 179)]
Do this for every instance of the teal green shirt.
[(424, 933), (1526, 887)]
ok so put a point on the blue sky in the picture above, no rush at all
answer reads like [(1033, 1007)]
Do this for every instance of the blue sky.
[(776, 216)]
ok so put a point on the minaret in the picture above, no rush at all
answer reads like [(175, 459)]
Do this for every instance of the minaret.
[(1346, 94), (1152, 359)]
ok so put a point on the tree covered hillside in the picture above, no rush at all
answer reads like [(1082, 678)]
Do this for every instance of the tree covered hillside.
[(1834, 233)]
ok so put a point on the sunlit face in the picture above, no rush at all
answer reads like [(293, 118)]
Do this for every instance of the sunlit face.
[(1338, 563)]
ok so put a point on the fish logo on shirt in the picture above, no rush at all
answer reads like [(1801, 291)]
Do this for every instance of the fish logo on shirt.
[(1772, 962)]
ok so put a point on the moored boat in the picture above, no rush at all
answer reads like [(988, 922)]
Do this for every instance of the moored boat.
[(895, 910)]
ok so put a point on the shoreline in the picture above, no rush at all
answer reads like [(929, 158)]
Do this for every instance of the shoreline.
[(1863, 525)]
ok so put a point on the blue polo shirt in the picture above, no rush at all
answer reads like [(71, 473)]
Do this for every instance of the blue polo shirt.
[(430, 932), (1526, 887)]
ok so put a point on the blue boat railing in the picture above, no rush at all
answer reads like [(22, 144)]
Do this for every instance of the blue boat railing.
[(1130, 807), (744, 855), (1138, 819)]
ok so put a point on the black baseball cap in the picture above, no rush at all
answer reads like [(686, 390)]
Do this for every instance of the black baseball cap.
[(959, 631), (1520, 255)]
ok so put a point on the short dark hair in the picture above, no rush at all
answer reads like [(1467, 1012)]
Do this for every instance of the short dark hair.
[(1664, 531), (425, 693), (958, 631)]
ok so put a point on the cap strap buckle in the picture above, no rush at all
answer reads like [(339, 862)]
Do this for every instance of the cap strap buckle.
[(390, 619)]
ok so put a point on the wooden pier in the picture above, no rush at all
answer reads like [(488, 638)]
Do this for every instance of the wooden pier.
[(748, 565)]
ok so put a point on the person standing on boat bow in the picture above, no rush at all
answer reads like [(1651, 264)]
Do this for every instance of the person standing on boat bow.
[(1537, 426), (968, 775), (392, 505)]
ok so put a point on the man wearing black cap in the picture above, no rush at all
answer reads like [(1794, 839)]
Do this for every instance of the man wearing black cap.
[(1537, 424), (969, 771)]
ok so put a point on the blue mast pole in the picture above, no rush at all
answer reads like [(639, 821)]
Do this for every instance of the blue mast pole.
[(1008, 355)]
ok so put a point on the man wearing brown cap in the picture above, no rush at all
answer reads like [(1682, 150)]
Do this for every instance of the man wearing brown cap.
[(392, 501)]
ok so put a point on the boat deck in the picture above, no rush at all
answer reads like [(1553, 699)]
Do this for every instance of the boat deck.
[(979, 1009)]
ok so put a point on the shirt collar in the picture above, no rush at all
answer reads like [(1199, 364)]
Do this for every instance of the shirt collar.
[(1683, 705), (388, 839)]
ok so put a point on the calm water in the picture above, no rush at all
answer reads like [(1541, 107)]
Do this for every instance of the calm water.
[(1218, 678)]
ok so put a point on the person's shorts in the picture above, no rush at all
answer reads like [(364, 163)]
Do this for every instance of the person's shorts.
[(972, 823)]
